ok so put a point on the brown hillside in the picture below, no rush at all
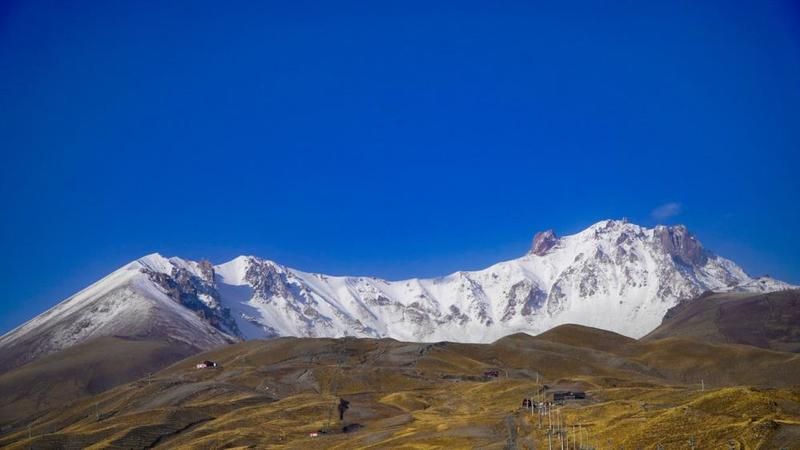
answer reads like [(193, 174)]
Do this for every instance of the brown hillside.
[(85, 369), (416, 395), (763, 320)]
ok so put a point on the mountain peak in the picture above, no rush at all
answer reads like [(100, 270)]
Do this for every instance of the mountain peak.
[(155, 262), (234, 271), (613, 225), (543, 241)]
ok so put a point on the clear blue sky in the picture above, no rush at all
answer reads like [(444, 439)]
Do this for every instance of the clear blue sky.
[(396, 140)]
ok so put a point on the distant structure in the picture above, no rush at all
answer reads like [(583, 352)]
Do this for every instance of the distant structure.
[(561, 396), (492, 373), (206, 365)]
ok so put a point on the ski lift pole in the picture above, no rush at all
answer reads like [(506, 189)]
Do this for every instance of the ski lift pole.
[(574, 439), (588, 438), (558, 427)]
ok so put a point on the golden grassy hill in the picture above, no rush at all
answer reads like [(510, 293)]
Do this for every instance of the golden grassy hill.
[(272, 394)]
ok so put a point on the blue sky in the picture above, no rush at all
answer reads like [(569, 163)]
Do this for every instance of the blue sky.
[(397, 140)]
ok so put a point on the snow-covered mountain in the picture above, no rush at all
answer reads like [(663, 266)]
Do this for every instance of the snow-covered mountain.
[(138, 300), (614, 275)]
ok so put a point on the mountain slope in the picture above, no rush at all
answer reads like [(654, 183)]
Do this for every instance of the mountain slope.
[(614, 275), (769, 321), (81, 370), (135, 301)]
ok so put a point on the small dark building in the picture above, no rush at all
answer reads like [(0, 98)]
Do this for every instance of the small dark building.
[(492, 373), (561, 396), (206, 365)]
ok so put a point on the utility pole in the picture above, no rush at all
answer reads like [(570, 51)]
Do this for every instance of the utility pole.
[(702, 385), (574, 439), (530, 403), (541, 411), (588, 439), (543, 414)]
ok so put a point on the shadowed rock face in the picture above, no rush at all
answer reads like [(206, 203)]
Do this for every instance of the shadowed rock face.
[(187, 290), (679, 243), (267, 281), (543, 241), (207, 269)]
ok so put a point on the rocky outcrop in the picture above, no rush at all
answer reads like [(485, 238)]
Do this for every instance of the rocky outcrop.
[(525, 294), (207, 270), (543, 241), (196, 294), (267, 280), (682, 245)]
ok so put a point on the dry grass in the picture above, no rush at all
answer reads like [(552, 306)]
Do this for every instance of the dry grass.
[(272, 394), (83, 370)]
